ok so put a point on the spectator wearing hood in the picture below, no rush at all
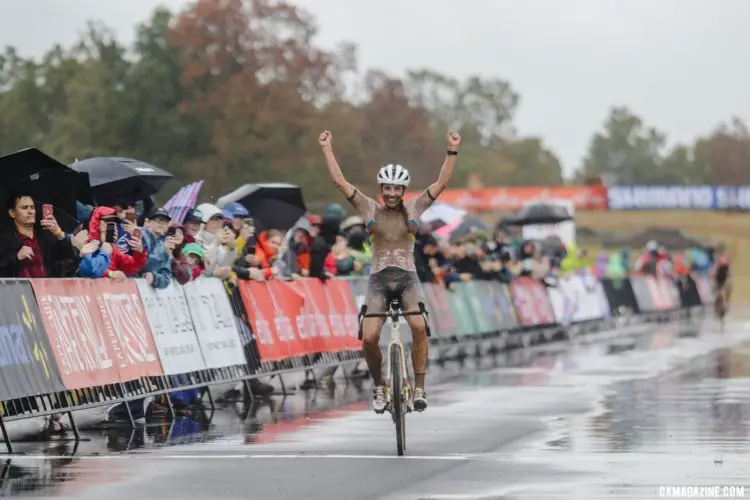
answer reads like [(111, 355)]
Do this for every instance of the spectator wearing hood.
[(358, 241), (160, 244), (121, 265), (267, 249)]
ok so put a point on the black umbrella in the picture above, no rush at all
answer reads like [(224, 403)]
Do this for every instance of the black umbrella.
[(272, 205), (470, 224), (113, 179), (540, 213), (47, 181)]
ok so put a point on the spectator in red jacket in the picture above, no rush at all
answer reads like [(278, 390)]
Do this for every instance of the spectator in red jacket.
[(121, 265), (267, 251)]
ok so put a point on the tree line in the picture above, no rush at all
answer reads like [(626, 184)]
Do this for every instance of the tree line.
[(235, 91)]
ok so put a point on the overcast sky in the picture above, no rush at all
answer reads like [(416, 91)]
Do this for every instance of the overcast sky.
[(681, 64)]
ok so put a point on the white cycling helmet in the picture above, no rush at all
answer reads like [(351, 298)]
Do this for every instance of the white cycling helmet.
[(394, 174)]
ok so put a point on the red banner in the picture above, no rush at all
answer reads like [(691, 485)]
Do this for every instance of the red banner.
[(321, 308), (127, 328), (288, 304), (513, 198), (349, 308), (260, 311), (308, 322), (662, 301), (533, 306), (76, 332)]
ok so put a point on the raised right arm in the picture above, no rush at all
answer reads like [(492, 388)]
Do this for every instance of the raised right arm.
[(333, 166)]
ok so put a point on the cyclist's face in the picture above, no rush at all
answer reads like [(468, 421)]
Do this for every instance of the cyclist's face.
[(392, 194)]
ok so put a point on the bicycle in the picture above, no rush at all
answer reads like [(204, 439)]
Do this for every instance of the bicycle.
[(398, 386)]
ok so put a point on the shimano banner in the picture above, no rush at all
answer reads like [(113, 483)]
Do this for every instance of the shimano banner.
[(27, 365), (678, 198)]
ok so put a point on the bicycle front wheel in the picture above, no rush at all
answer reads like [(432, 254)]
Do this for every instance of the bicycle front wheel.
[(397, 391)]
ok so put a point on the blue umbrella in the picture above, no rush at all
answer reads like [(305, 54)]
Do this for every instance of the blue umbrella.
[(234, 209)]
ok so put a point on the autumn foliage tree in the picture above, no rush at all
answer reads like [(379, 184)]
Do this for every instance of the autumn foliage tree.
[(235, 91)]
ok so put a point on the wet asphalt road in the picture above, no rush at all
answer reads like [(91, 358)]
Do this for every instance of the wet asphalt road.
[(610, 416)]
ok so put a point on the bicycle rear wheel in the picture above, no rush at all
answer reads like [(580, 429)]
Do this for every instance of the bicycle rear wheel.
[(397, 389)]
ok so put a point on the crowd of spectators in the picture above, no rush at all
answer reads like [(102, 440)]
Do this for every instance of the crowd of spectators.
[(112, 242), (210, 242)]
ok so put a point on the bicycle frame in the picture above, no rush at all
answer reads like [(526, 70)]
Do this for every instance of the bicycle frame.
[(395, 339)]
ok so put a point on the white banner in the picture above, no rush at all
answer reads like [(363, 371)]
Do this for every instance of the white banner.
[(578, 298), (174, 336), (214, 323), (588, 301)]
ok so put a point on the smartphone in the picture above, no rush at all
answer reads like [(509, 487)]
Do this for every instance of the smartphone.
[(130, 216), (250, 221), (137, 233), (171, 231), (109, 236), (47, 210)]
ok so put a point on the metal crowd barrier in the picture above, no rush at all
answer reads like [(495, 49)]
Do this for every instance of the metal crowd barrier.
[(69, 345)]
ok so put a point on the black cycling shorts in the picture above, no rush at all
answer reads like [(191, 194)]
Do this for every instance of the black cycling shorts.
[(392, 282)]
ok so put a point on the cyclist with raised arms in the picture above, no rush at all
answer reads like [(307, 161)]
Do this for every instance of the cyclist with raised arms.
[(392, 227)]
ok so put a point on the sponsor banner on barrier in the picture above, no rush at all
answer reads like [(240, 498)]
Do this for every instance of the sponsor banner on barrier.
[(678, 197), (589, 306), (515, 198), (169, 318), (663, 293), (642, 294), (532, 303), (260, 313), (27, 365), (503, 306), (351, 321), (125, 324), (441, 320), (705, 290), (85, 357), (214, 323), (620, 296), (482, 306), (317, 304), (462, 316)]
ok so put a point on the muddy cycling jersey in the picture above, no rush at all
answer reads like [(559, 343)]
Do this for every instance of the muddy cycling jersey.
[(392, 236)]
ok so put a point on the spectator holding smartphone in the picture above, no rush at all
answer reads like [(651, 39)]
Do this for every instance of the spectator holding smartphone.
[(31, 250), (103, 232)]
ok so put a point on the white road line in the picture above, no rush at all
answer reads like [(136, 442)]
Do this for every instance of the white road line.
[(145, 456)]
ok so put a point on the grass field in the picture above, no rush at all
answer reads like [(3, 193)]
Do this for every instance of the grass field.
[(731, 228)]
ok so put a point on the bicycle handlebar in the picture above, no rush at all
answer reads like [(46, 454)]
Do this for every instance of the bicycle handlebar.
[(389, 314), (394, 313)]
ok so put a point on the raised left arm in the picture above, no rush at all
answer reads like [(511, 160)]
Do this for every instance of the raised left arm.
[(446, 172)]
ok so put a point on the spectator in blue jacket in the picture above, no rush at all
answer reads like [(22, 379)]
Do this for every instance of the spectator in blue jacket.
[(161, 245)]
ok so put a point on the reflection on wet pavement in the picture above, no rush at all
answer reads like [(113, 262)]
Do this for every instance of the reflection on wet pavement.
[(687, 425)]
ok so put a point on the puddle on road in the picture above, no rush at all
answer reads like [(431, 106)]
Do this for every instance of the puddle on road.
[(688, 426)]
